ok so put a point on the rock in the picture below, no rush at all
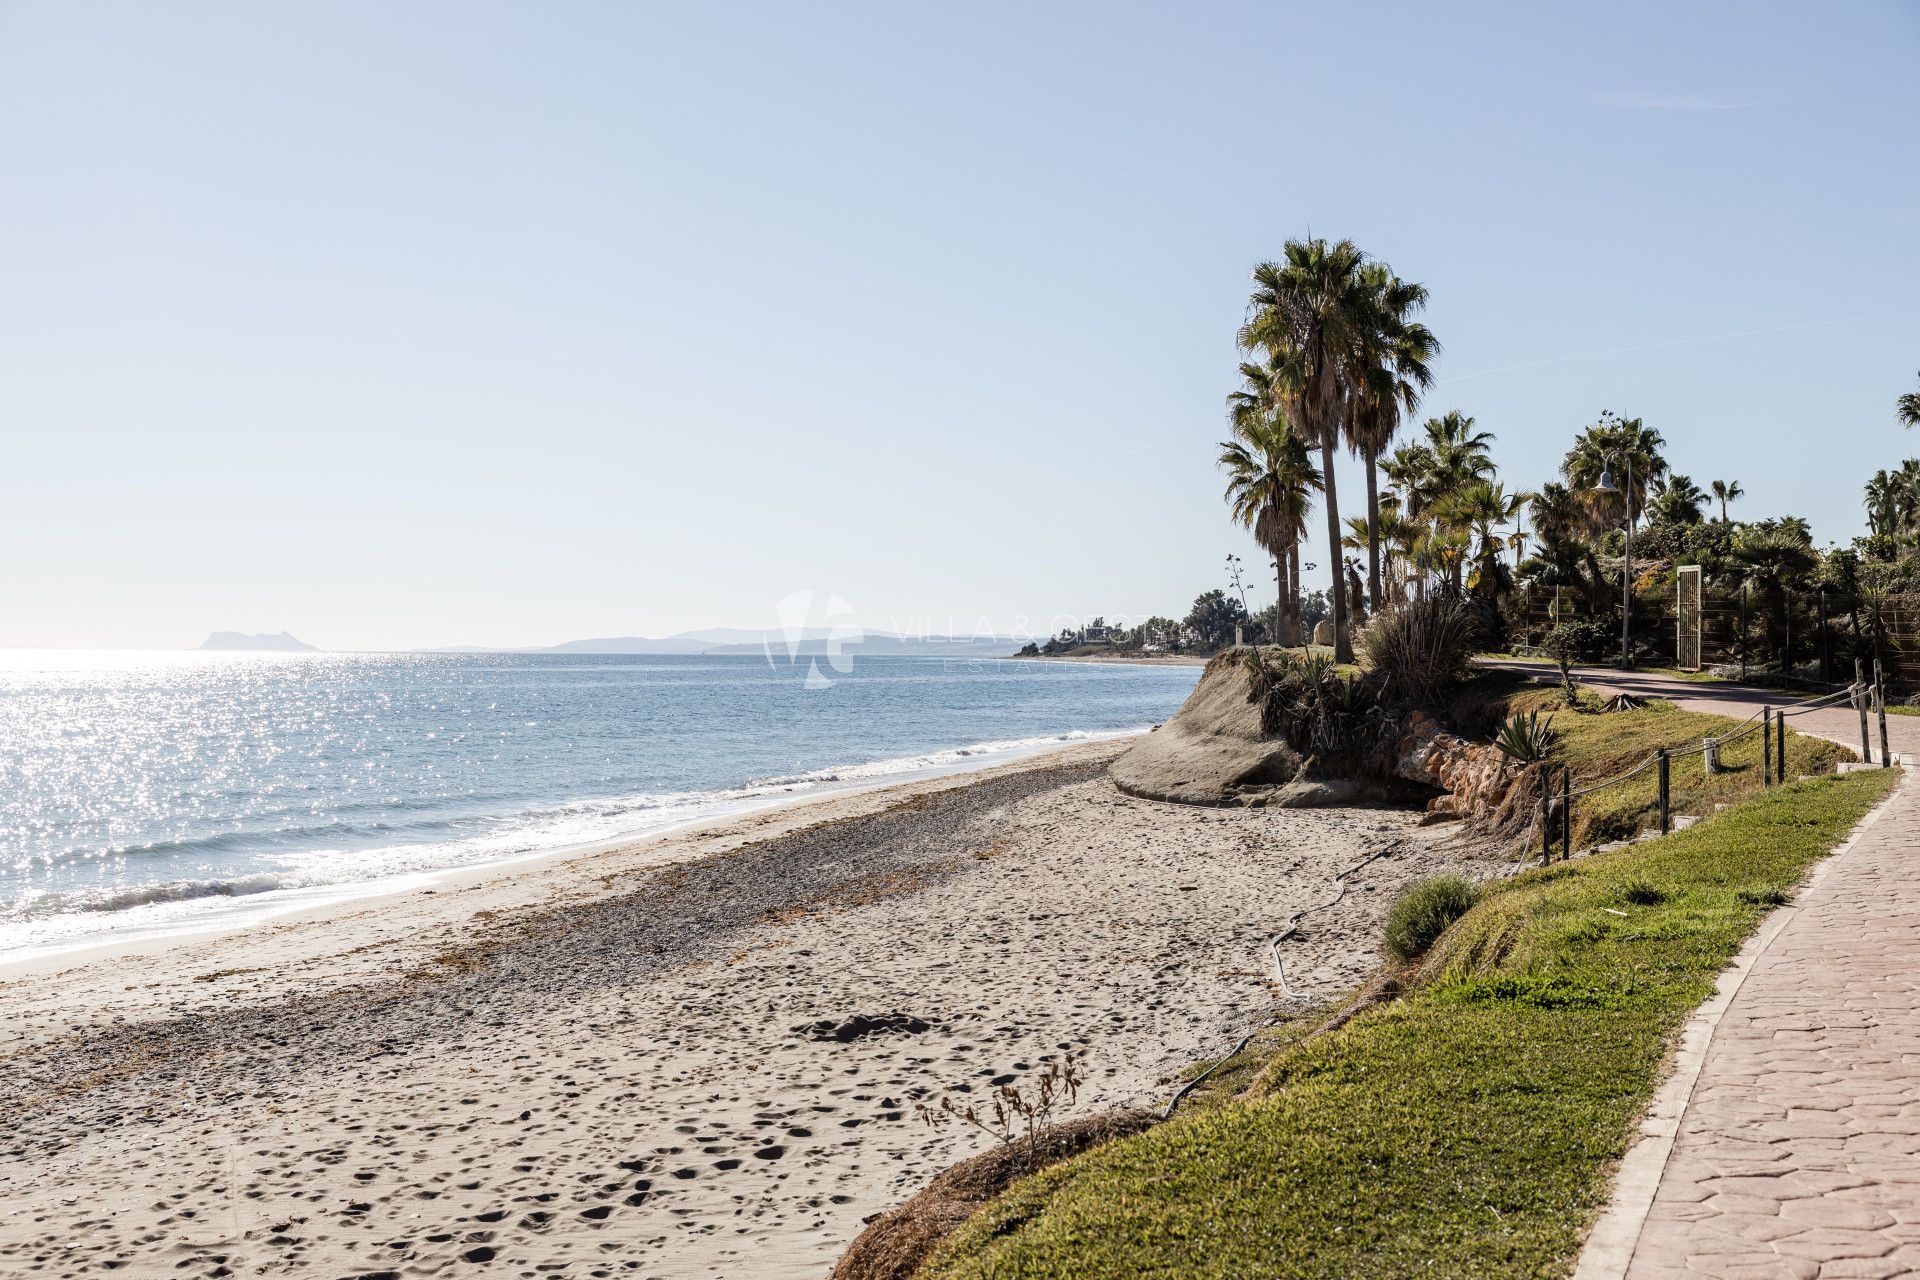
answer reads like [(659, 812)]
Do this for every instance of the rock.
[(1323, 634), (1210, 751)]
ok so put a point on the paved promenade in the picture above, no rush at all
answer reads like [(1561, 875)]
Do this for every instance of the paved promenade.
[(1788, 1142)]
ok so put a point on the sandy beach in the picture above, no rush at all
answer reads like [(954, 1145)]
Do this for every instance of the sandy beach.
[(610, 1064)]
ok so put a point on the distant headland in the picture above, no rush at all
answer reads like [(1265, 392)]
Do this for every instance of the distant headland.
[(281, 643)]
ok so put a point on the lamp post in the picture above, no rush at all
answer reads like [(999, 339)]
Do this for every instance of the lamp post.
[(1606, 485)]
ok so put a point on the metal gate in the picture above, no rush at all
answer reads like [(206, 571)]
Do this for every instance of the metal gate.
[(1686, 630)]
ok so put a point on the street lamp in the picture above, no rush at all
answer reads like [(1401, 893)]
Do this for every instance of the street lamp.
[(1607, 485)]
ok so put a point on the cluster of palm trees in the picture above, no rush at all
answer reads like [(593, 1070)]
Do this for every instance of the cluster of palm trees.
[(1893, 500), (1338, 358), (1445, 512)]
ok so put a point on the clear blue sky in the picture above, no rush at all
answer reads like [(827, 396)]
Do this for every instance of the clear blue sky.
[(415, 324)]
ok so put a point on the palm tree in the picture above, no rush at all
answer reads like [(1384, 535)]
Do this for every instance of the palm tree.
[(1893, 500), (1397, 373), (1725, 491), (1327, 330), (1481, 508), (1559, 522), (1676, 500), (1453, 458), (1774, 557), (1269, 477), (1909, 409), (1602, 448)]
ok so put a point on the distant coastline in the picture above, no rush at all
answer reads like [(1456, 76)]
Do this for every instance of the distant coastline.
[(1123, 660)]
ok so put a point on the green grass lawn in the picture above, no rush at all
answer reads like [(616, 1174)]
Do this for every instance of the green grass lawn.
[(1464, 1131), (1598, 744)]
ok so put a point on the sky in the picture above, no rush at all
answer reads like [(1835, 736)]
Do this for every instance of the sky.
[(402, 325)]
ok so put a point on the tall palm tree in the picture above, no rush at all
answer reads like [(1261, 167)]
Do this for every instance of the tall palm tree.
[(1725, 491), (1322, 322), (1396, 373), (1909, 409), (1270, 474)]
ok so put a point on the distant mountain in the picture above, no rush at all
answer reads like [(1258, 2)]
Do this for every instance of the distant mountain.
[(234, 640), (629, 644), (876, 644)]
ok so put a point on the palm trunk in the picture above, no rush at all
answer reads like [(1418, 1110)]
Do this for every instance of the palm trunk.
[(1295, 612), (1280, 598), (1337, 597), (1373, 535)]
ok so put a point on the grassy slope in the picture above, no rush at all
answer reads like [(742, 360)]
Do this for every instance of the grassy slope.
[(1465, 1131), (1599, 744)]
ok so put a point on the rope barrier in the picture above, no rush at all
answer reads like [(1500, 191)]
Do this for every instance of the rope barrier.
[(1681, 750), (1814, 704)]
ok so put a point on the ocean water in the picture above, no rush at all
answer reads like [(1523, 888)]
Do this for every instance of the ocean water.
[(166, 792)]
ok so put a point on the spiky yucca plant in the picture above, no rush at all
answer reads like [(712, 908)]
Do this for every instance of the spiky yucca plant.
[(1526, 738)]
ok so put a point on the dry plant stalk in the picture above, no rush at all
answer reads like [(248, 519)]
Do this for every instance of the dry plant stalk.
[(1017, 1117)]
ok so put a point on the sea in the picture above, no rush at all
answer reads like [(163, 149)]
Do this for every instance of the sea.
[(147, 794)]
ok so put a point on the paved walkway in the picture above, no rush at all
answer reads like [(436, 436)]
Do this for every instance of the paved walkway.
[(1796, 1149)]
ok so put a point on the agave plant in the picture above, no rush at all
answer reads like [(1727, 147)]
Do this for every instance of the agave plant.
[(1526, 738)]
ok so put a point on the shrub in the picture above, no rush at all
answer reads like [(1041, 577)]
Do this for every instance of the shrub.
[(1319, 712), (1423, 911), (1582, 640), (1526, 738), (1420, 650)]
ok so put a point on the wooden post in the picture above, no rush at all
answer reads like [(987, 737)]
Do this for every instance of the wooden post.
[(1566, 812), (1666, 812), (1766, 746), (1860, 705), (1546, 815), (1880, 705)]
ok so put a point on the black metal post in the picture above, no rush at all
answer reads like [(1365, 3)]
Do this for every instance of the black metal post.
[(1880, 705), (1666, 812), (1780, 747), (1766, 746)]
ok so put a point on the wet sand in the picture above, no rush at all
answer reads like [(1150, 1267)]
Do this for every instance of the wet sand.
[(608, 1065)]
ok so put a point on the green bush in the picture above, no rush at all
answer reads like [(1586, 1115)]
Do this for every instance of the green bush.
[(1423, 911), (1420, 650), (1583, 640)]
